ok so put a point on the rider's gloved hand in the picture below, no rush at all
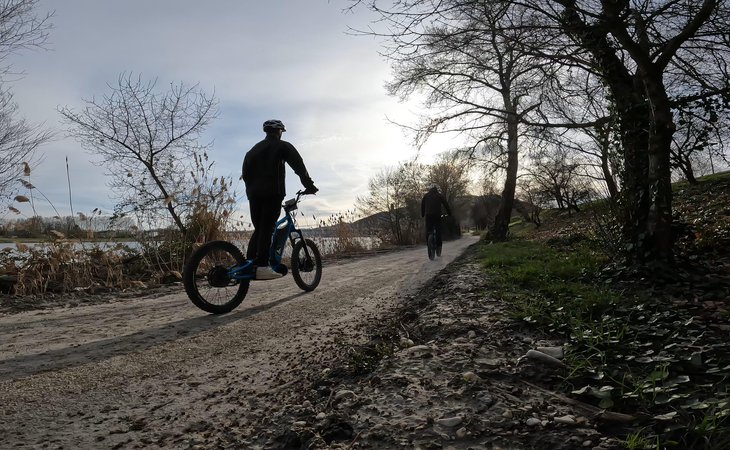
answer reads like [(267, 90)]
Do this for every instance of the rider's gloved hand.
[(310, 190)]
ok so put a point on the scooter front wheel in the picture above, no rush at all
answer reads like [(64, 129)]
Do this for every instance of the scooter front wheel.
[(306, 264), (207, 280)]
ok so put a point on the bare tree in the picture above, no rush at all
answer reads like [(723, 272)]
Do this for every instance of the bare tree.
[(469, 60), (451, 173), (576, 116), (395, 198), (486, 202), (535, 199), (702, 135), (558, 176), (18, 142), (20, 28), (147, 141)]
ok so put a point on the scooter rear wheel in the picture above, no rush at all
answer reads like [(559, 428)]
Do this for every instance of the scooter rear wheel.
[(431, 244), (207, 280)]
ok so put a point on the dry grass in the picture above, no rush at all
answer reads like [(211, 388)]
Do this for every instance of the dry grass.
[(63, 266)]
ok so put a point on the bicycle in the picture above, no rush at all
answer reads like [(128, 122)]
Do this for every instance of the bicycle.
[(434, 243), (217, 275)]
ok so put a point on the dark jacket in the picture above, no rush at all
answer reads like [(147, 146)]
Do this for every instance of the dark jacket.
[(431, 203), (264, 171)]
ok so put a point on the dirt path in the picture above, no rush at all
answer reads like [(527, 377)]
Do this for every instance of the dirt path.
[(158, 372)]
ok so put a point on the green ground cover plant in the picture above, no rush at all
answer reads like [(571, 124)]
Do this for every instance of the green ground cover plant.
[(659, 358)]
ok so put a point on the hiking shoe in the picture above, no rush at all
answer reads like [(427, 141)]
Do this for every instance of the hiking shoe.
[(267, 273)]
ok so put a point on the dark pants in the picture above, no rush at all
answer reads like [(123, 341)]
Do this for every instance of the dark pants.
[(264, 212), (433, 221)]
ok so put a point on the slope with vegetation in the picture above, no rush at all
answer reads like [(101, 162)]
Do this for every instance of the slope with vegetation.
[(652, 344)]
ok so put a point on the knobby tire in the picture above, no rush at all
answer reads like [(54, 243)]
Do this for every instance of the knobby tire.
[(431, 244), (306, 271), (206, 281)]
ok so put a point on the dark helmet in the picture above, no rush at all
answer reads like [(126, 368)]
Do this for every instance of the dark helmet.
[(274, 124)]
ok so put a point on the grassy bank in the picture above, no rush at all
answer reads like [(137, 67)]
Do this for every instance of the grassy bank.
[(658, 355)]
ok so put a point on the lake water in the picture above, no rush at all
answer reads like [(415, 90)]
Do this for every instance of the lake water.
[(77, 245), (327, 245)]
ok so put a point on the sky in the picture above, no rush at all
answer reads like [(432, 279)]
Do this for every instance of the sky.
[(292, 60)]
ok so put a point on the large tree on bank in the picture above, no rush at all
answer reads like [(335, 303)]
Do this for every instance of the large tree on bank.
[(652, 57)]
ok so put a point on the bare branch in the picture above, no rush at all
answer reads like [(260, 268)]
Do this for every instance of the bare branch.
[(146, 139)]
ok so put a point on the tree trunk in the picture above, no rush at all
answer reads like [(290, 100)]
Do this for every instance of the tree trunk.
[(685, 165), (500, 229), (607, 175), (635, 199), (632, 113), (559, 199), (536, 218), (395, 226), (659, 225), (647, 129), (183, 229), (165, 195)]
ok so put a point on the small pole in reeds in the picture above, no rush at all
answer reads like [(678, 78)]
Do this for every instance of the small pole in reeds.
[(70, 201)]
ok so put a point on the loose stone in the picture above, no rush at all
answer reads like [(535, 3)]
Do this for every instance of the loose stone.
[(544, 358), (406, 343), (567, 420), (532, 421), (555, 352), (470, 377), (449, 422), (419, 350), (343, 394)]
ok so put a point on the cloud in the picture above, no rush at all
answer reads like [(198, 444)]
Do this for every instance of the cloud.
[(290, 60)]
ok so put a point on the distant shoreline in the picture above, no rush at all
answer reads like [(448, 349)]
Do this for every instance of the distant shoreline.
[(39, 240)]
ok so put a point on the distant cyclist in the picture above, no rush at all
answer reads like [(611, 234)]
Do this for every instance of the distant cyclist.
[(431, 210), (263, 173)]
